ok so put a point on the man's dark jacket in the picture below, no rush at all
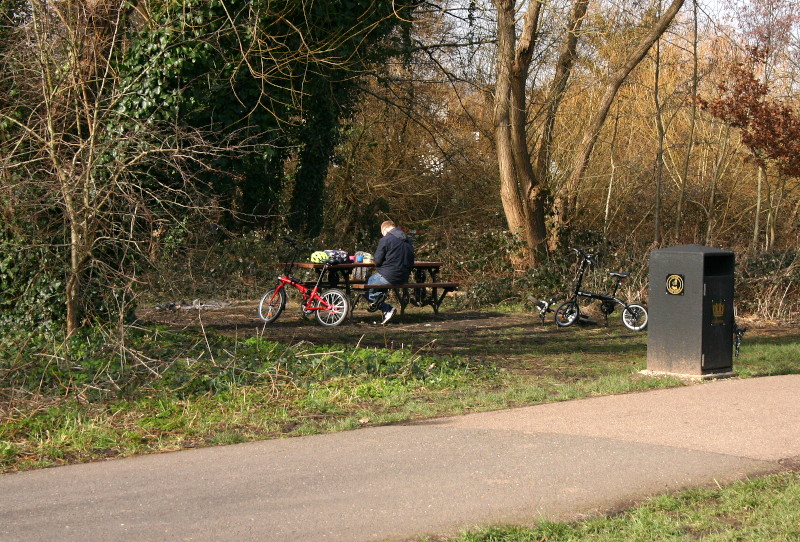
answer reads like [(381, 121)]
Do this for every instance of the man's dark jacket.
[(394, 256)]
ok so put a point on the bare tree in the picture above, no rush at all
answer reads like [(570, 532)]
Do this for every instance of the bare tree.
[(83, 170), (524, 184), (565, 201), (693, 120)]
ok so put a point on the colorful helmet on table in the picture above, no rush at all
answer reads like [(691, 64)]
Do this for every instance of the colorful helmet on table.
[(319, 257)]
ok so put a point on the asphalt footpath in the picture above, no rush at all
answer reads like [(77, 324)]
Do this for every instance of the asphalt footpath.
[(557, 461)]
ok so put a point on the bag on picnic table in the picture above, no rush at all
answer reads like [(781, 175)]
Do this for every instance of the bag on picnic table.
[(337, 256), (360, 273)]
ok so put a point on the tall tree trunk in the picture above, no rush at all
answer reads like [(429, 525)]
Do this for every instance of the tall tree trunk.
[(757, 218), (724, 138), (532, 192), (692, 122), (661, 134), (521, 192), (513, 206), (566, 60), (611, 178)]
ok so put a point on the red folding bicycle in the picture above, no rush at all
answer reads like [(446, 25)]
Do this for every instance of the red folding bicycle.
[(330, 306)]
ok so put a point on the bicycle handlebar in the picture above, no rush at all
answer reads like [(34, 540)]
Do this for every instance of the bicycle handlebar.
[(292, 243), (591, 258)]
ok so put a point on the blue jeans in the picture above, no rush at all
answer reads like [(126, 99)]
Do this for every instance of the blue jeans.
[(374, 295)]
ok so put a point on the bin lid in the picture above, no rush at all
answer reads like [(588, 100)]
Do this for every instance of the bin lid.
[(694, 249)]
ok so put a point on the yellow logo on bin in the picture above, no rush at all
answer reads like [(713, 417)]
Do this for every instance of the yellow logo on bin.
[(718, 309), (675, 284)]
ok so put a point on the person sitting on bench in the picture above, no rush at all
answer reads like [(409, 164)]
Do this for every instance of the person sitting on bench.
[(394, 259)]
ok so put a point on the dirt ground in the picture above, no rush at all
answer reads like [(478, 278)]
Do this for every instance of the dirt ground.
[(418, 327), (490, 334)]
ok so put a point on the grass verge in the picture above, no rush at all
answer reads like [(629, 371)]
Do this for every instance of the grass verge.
[(761, 510), (156, 389)]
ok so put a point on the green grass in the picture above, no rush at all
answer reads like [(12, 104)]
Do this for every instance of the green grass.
[(769, 356), (162, 390), (761, 510), (167, 390)]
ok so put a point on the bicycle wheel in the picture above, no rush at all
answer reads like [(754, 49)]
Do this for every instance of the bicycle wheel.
[(567, 314), (334, 306), (272, 304), (634, 317)]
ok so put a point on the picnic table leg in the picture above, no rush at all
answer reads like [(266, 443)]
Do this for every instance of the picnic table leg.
[(402, 296), (347, 281), (435, 301), (438, 299), (419, 276), (355, 298)]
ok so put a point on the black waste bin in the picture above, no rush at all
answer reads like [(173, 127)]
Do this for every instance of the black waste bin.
[(690, 306)]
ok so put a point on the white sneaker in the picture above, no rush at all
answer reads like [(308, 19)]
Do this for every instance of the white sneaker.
[(388, 315)]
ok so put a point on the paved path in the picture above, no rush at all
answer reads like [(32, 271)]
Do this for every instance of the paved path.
[(555, 461)]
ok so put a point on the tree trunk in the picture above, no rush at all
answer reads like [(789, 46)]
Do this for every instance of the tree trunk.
[(757, 218), (775, 208), (509, 191), (532, 193), (722, 144), (612, 177), (521, 191), (661, 134), (693, 119)]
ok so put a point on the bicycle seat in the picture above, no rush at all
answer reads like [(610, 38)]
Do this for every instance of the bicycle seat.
[(620, 275)]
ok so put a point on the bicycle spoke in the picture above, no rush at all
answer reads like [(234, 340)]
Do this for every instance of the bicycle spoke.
[(332, 307)]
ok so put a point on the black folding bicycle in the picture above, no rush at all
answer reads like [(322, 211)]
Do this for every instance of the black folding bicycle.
[(634, 315)]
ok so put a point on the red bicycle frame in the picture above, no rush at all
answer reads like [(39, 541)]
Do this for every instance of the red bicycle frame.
[(330, 306), (309, 294)]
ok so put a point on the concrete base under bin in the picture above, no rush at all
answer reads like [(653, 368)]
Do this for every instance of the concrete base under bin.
[(700, 377)]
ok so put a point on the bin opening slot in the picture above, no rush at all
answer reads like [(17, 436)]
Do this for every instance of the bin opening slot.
[(719, 265)]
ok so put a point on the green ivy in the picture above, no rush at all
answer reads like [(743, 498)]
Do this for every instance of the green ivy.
[(31, 284), (186, 66)]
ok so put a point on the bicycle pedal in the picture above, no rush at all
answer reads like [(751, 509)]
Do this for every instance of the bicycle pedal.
[(375, 305)]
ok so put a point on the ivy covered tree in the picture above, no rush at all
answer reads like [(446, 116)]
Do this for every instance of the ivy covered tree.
[(275, 78), (123, 117)]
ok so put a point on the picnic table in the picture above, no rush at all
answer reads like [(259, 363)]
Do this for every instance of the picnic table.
[(424, 286)]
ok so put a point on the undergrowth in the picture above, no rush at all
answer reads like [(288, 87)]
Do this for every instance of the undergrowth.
[(96, 395), (96, 364)]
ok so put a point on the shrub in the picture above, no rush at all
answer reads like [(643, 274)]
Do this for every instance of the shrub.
[(768, 284)]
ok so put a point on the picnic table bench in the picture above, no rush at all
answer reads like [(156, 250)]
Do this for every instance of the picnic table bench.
[(424, 287)]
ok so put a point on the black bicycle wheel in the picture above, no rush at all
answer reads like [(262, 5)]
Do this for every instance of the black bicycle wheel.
[(567, 314), (334, 308), (272, 304), (635, 317)]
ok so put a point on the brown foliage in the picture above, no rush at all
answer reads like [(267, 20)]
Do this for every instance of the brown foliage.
[(770, 129)]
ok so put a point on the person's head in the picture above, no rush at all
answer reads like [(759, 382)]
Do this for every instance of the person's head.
[(386, 226)]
